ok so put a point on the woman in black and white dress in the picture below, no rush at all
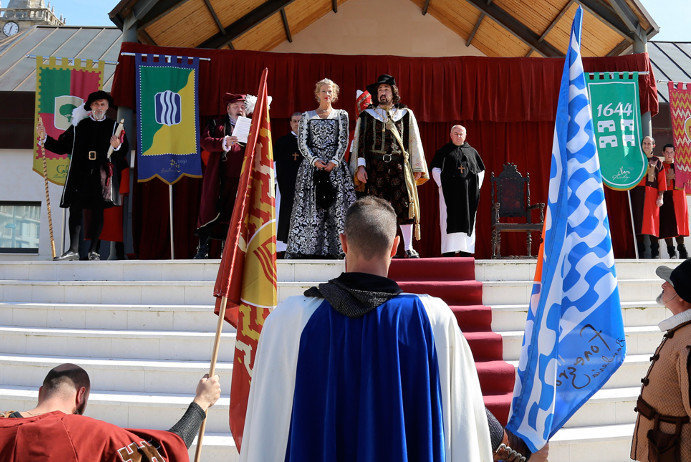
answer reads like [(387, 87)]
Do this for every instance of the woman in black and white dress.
[(324, 187)]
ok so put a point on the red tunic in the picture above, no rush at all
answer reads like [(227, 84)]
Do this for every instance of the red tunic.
[(646, 213), (674, 213), (221, 179), (56, 436)]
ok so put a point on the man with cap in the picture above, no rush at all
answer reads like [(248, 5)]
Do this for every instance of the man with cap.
[(663, 431), (390, 160), (221, 175), (88, 140)]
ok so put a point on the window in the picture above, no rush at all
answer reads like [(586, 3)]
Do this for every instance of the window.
[(20, 223)]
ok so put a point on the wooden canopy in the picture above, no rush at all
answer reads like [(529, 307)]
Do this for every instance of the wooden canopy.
[(501, 28)]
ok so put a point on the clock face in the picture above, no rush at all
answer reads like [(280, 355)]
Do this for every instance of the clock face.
[(10, 28)]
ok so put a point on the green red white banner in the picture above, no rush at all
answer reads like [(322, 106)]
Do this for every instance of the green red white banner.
[(616, 111), (60, 88), (680, 110)]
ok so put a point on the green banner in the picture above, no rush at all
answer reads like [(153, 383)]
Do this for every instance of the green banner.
[(616, 109)]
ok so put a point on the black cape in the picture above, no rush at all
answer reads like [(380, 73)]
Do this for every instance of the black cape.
[(459, 166), (83, 187), (288, 160)]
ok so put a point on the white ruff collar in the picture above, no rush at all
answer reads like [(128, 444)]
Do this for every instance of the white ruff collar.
[(379, 114), (674, 321)]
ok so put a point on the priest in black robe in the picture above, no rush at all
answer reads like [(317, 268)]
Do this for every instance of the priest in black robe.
[(458, 171), (90, 174), (288, 159)]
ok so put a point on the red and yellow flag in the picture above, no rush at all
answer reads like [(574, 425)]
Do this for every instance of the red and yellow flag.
[(680, 109), (247, 276)]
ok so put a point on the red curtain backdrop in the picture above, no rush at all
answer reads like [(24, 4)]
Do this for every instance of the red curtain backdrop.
[(508, 106)]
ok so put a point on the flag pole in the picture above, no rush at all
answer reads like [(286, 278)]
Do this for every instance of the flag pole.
[(212, 370), (45, 182), (170, 214), (633, 228)]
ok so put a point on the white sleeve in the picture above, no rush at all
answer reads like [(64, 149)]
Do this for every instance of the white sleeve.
[(270, 403), (436, 174), (466, 432)]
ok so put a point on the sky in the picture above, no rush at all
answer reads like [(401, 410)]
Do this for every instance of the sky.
[(671, 16)]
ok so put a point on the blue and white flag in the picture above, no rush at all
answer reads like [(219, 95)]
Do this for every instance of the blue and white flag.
[(574, 334)]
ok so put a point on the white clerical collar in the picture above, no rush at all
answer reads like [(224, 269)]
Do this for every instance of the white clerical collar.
[(674, 321), (293, 133)]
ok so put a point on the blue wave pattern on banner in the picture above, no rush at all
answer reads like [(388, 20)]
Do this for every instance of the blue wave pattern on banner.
[(574, 335), (168, 108)]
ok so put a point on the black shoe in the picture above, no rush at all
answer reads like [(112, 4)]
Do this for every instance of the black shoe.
[(202, 250), (70, 255), (94, 256), (412, 253), (683, 254), (448, 254), (672, 253)]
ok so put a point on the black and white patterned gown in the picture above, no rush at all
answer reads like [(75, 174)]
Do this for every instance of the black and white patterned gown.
[(314, 231)]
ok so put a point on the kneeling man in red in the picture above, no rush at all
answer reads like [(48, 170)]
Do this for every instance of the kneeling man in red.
[(56, 430)]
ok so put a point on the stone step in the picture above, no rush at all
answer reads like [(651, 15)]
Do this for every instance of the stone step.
[(217, 446), (121, 375), (635, 314), (124, 292), (164, 318), (156, 270), (524, 269), (115, 344), (157, 411), (512, 292), (640, 340), (604, 443), (629, 374), (608, 406)]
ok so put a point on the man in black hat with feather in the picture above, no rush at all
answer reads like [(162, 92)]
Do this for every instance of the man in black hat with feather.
[(388, 157), (90, 173)]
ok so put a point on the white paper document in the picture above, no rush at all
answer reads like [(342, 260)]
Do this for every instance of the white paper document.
[(242, 128)]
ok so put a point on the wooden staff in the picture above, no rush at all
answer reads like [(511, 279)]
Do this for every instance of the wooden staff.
[(212, 370), (41, 129)]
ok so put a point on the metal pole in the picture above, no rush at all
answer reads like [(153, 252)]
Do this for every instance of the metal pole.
[(170, 204), (633, 229)]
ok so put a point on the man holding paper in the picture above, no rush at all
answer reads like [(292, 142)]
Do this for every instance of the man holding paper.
[(224, 139)]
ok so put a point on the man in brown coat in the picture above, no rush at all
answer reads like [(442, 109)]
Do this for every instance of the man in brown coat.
[(663, 431)]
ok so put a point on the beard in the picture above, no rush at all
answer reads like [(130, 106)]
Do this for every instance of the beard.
[(383, 99), (659, 301)]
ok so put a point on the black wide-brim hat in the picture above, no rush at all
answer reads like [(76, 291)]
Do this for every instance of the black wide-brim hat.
[(383, 79), (679, 277), (95, 96)]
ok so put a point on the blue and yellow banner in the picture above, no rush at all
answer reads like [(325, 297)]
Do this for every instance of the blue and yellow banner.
[(168, 118)]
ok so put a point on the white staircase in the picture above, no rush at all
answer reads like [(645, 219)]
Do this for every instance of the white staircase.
[(144, 331)]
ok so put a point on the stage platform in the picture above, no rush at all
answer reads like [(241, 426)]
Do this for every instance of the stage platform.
[(144, 331)]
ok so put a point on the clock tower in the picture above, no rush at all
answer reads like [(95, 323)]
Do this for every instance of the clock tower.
[(22, 14)]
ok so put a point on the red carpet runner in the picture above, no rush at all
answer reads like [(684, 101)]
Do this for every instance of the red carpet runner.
[(453, 280)]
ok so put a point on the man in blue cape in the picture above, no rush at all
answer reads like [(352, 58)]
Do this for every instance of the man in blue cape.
[(356, 370)]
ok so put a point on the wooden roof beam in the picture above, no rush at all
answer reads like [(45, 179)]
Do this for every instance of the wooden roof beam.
[(520, 30), (629, 18), (608, 16), (475, 28), (621, 46), (555, 20), (286, 26), (153, 11), (334, 5), (245, 23), (210, 7)]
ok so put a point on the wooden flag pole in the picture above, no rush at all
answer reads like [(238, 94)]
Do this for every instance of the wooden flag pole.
[(212, 370), (45, 182)]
